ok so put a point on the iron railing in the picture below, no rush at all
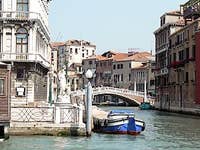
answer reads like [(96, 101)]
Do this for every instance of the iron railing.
[(32, 114), (69, 115)]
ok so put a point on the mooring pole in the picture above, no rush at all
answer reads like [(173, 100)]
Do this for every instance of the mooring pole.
[(145, 90), (89, 110), (89, 75)]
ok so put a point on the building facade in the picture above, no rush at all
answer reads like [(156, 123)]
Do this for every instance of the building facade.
[(5, 73), (89, 63), (78, 50), (70, 56), (183, 60), (169, 23), (122, 69), (144, 74), (182, 67), (24, 43)]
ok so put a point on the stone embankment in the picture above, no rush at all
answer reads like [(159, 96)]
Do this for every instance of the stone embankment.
[(49, 129)]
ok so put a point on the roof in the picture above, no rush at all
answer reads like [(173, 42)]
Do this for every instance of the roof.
[(174, 12), (56, 44), (138, 56), (142, 66), (185, 27), (79, 42)]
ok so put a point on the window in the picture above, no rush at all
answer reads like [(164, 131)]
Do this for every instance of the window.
[(83, 55), (186, 77), (20, 73), (22, 40), (118, 66), (71, 51), (152, 82), (22, 5), (181, 55), (193, 51), (2, 86), (76, 50), (187, 53), (129, 77), (121, 66), (90, 62), (114, 67), (8, 42), (129, 65), (80, 69), (174, 56)]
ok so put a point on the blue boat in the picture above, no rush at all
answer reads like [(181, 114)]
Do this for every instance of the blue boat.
[(122, 122)]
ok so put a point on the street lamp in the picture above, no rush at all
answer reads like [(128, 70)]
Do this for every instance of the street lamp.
[(89, 75)]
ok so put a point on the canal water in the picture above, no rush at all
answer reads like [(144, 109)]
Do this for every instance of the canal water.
[(164, 131)]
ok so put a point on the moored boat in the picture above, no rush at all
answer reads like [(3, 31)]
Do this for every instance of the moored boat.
[(145, 106), (122, 122)]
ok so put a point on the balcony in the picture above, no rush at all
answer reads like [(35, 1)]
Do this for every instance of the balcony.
[(24, 16), (191, 8), (181, 63), (24, 57)]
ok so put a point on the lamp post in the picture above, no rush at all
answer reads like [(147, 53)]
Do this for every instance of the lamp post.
[(89, 76)]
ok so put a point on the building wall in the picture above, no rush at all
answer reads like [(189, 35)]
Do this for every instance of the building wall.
[(169, 25), (197, 61), (89, 63), (61, 56), (121, 76), (33, 60), (79, 51), (104, 72), (140, 74), (182, 67)]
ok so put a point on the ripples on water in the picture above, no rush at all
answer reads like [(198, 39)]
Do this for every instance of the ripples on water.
[(163, 131)]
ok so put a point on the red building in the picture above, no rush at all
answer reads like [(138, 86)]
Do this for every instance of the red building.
[(4, 99)]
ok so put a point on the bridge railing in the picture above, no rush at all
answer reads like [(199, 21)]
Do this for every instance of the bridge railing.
[(117, 90), (113, 90)]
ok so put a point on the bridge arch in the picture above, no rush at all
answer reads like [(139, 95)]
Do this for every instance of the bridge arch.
[(131, 102), (129, 96)]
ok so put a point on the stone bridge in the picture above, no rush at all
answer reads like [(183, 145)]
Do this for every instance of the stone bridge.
[(129, 96)]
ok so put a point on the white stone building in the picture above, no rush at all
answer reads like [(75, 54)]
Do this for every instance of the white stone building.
[(70, 54), (79, 50), (24, 43)]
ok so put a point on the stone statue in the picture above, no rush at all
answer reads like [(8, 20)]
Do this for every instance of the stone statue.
[(63, 95), (62, 81)]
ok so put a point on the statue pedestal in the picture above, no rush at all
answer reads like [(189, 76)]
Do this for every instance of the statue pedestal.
[(64, 99)]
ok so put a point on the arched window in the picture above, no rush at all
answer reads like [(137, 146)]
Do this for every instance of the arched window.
[(22, 5), (22, 40)]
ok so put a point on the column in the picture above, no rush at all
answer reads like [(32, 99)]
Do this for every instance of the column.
[(135, 89)]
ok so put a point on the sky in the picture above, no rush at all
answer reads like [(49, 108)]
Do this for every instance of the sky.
[(110, 24)]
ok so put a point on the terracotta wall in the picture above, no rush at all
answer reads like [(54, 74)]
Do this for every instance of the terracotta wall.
[(197, 60)]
